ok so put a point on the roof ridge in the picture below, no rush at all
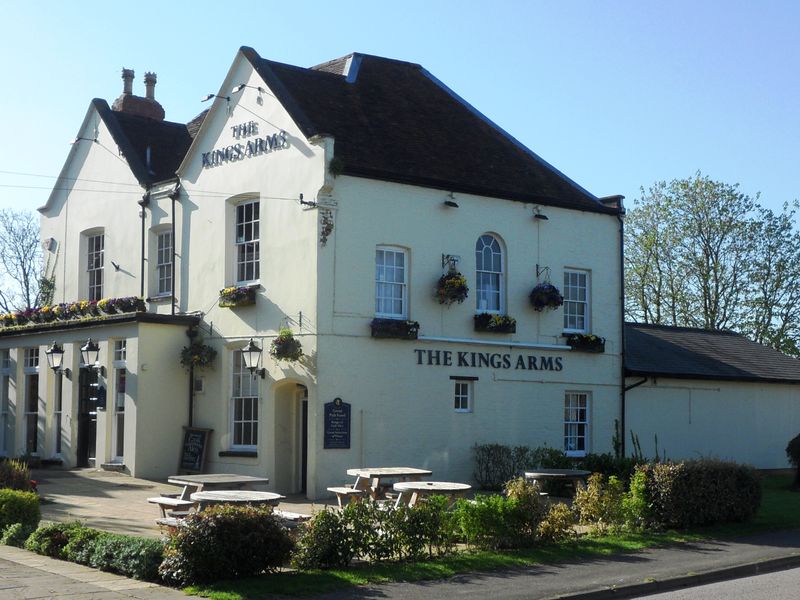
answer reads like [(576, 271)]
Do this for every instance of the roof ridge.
[(684, 328)]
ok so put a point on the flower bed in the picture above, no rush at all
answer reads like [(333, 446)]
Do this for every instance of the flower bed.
[(71, 311), (495, 323), (232, 297)]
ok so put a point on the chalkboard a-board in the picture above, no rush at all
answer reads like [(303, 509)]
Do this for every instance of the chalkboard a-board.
[(193, 449)]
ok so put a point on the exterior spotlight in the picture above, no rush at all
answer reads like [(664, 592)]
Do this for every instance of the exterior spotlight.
[(55, 357), (541, 217), (90, 353), (241, 86), (451, 203), (208, 97), (251, 354)]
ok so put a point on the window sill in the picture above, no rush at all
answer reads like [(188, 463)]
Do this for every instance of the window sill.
[(239, 453), (159, 299)]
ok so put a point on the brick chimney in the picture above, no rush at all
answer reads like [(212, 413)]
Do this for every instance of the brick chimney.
[(131, 104)]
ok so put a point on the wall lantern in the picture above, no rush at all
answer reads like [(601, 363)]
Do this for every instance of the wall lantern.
[(55, 356), (90, 353), (251, 354)]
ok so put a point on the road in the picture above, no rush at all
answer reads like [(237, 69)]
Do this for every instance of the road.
[(782, 585)]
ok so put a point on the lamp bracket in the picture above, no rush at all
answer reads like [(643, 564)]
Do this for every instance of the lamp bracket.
[(450, 261), (542, 271)]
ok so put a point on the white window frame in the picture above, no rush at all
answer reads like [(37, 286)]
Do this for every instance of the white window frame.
[(577, 407), (248, 383), (246, 232), (463, 394), (383, 283), (30, 370), (164, 255), (6, 425), (573, 304), (482, 273), (120, 366), (95, 261)]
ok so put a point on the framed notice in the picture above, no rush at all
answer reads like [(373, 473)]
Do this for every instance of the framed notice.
[(337, 424), (194, 449)]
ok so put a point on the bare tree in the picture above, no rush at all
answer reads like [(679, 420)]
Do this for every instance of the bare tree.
[(20, 260)]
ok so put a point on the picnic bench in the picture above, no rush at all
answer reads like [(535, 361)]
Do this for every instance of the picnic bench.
[(172, 507)]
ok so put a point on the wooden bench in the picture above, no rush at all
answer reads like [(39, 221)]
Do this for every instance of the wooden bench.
[(175, 506), (347, 494)]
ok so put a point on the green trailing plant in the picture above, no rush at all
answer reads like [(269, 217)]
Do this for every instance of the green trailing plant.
[(225, 542), (51, 540), (452, 287), (399, 329), (285, 346), (197, 355), (128, 555), (17, 506), (495, 323), (793, 454), (15, 535), (545, 295)]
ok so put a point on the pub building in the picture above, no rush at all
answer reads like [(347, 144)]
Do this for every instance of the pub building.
[(273, 289)]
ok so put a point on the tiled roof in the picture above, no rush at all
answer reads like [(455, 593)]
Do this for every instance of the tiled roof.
[(392, 120), (167, 142), (686, 353)]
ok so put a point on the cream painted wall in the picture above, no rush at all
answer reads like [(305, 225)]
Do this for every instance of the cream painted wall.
[(745, 422)]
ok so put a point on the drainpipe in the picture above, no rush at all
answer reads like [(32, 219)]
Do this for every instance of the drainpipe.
[(622, 407), (191, 333), (173, 196), (143, 203)]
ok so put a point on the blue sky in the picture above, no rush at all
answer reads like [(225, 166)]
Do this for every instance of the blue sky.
[(617, 95)]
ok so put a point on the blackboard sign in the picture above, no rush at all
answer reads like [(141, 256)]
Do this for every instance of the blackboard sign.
[(193, 449), (337, 424)]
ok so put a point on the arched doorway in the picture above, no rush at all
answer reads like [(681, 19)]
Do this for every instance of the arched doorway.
[(291, 438)]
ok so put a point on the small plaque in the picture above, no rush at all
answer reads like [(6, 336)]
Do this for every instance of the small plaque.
[(337, 424)]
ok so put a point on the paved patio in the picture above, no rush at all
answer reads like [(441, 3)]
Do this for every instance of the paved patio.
[(116, 502)]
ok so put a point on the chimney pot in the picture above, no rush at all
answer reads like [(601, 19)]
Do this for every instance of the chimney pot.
[(150, 85), (127, 78)]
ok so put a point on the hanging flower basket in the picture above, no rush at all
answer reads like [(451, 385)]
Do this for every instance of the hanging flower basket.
[(495, 323), (545, 295), (231, 297), (286, 346), (586, 342), (197, 355), (394, 328), (452, 287)]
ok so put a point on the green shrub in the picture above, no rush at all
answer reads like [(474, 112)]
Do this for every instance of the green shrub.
[(491, 521), (375, 530), (426, 529), (127, 555), (15, 535), (225, 542), (15, 474), (50, 540), (793, 454), (599, 504), (702, 492), (325, 542), (558, 524), (19, 507), (80, 544), (621, 467), (495, 464), (530, 510), (635, 507)]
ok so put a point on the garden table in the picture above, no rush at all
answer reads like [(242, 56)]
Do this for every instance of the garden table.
[(410, 491), (199, 483), (248, 497), (369, 478), (576, 476)]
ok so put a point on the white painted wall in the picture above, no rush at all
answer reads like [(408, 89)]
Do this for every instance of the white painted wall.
[(745, 422)]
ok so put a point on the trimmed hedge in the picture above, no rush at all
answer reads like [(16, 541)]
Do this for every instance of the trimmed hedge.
[(701, 492), (19, 507), (225, 542)]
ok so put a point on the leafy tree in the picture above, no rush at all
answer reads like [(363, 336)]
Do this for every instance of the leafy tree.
[(700, 253), (20, 260)]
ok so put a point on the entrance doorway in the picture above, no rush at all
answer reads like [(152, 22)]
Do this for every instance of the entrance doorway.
[(291, 438), (87, 417)]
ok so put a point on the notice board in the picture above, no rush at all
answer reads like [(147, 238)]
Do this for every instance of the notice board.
[(337, 424), (194, 449)]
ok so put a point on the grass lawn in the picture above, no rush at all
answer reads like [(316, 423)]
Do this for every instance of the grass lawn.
[(780, 509)]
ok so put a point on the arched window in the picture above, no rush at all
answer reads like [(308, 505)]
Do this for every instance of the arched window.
[(489, 275)]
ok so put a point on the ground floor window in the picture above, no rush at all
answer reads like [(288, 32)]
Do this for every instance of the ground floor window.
[(244, 422), (31, 413), (6, 425), (57, 411), (463, 393), (576, 423), (119, 412)]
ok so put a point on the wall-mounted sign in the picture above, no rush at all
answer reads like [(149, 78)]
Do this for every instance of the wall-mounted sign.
[(492, 360), (247, 148), (337, 424)]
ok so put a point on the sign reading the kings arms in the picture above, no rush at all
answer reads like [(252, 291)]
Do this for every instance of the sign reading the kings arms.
[(492, 360), (246, 148)]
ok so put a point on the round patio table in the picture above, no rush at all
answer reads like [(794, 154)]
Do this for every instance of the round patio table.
[(248, 497), (576, 476), (427, 488)]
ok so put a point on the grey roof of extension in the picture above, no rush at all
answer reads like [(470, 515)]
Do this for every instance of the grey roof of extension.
[(688, 353)]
